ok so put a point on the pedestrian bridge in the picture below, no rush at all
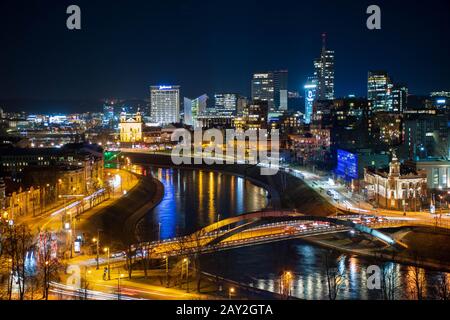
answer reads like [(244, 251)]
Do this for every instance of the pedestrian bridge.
[(261, 227)]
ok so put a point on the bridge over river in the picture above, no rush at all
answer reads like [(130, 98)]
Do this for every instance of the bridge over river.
[(270, 226)]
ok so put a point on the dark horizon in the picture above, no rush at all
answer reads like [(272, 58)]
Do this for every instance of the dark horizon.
[(208, 47)]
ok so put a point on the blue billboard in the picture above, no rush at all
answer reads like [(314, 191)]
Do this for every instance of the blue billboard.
[(347, 165)]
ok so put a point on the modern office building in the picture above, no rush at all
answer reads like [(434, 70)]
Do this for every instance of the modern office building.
[(398, 99), (379, 90), (193, 109), (426, 135), (165, 104), (272, 87), (438, 172), (263, 88), (257, 115), (324, 73), (226, 104), (280, 82), (310, 97)]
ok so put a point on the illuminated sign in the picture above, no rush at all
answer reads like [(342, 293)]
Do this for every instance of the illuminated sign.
[(441, 101), (347, 165), (165, 87)]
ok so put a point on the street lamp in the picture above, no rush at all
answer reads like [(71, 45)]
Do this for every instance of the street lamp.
[(106, 250)]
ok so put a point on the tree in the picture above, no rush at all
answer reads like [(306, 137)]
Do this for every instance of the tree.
[(335, 275), (416, 278), (18, 244), (390, 282), (49, 266)]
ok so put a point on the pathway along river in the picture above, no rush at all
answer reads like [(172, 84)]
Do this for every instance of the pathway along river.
[(193, 199)]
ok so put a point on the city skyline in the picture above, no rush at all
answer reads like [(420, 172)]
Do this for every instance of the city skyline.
[(100, 64), (224, 151)]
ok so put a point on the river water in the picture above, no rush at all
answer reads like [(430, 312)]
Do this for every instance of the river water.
[(194, 199)]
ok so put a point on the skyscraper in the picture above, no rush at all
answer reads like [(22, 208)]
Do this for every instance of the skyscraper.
[(384, 94), (272, 87), (398, 99), (165, 104), (310, 97), (324, 73), (379, 87), (193, 109), (263, 88)]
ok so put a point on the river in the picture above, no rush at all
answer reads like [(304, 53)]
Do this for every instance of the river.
[(194, 199)]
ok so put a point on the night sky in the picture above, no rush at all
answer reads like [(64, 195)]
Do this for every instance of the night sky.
[(209, 46)]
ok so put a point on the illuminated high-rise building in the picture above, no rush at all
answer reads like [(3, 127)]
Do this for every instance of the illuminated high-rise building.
[(226, 104), (272, 87), (263, 88), (310, 97), (384, 94), (379, 89), (165, 104), (324, 73), (193, 109)]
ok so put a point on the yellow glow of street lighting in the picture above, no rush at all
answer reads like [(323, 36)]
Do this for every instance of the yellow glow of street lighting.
[(232, 290), (185, 260), (105, 249)]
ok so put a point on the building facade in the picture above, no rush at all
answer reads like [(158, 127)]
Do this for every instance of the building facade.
[(324, 73), (193, 109), (131, 128), (165, 104), (226, 104), (379, 87), (310, 97), (271, 87), (399, 188)]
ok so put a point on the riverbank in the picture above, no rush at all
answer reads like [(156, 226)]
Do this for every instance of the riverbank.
[(287, 191), (116, 220)]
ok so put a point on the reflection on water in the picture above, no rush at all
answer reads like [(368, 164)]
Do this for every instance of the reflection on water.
[(194, 199), (262, 267)]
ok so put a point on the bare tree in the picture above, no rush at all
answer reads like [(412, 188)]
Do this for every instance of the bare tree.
[(390, 282), (49, 266), (18, 244), (335, 275), (416, 279)]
